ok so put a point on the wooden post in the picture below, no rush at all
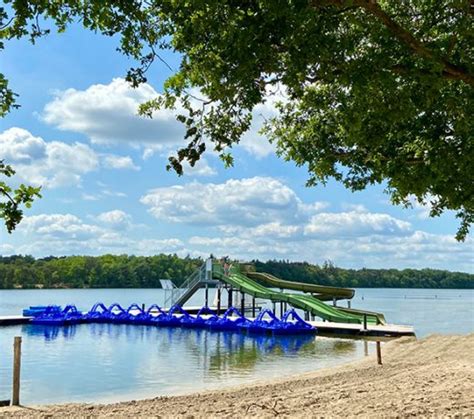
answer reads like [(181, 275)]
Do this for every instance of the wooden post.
[(218, 299), (281, 309), (379, 353), (366, 348), (365, 321), (253, 307), (207, 296), (143, 306), (16, 370), (274, 307)]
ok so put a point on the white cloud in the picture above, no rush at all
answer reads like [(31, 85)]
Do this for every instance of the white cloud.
[(50, 164), (107, 113), (355, 223), (246, 202), (116, 219), (201, 168), (111, 161), (65, 234), (59, 226)]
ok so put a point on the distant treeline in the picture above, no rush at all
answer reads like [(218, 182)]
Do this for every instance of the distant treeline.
[(122, 271)]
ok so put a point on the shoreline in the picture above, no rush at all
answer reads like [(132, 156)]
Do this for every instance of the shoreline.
[(430, 377)]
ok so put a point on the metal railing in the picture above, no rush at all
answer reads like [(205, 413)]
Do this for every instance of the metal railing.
[(192, 280)]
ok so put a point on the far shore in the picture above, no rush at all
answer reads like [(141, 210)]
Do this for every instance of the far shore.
[(431, 377)]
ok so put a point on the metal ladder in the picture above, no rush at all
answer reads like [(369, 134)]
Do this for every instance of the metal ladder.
[(176, 294)]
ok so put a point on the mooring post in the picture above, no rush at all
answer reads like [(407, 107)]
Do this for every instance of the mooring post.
[(218, 299), (16, 370), (207, 296), (379, 353), (253, 307)]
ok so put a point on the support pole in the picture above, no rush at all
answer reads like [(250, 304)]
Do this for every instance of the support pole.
[(218, 299), (229, 302), (365, 321), (207, 296), (16, 371), (253, 307), (143, 306), (334, 301), (379, 353), (366, 348), (281, 309), (348, 303), (242, 303), (274, 307)]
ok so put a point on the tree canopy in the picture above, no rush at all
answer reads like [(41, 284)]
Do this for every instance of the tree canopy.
[(123, 271), (374, 91)]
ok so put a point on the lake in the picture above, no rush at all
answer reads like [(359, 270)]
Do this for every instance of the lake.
[(104, 363)]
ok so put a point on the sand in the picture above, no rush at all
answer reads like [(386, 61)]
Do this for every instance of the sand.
[(431, 377)]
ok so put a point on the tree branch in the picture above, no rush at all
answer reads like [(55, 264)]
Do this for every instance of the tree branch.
[(450, 70), (414, 44)]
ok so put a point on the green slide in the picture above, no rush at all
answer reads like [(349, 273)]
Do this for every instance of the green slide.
[(323, 292), (302, 301)]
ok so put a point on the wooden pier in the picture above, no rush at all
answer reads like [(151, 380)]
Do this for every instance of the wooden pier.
[(350, 330), (13, 320)]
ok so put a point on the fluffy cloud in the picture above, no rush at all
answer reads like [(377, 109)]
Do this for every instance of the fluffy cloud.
[(51, 164), (247, 202), (107, 113), (54, 164), (59, 226), (63, 234), (111, 161), (116, 219), (355, 223)]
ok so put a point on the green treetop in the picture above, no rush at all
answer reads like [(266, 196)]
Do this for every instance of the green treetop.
[(375, 91)]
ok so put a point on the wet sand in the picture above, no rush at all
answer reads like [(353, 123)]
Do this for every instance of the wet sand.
[(431, 377)]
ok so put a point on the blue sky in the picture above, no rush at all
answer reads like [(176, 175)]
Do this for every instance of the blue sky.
[(106, 190)]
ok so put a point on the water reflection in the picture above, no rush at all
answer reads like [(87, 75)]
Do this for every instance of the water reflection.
[(109, 362), (50, 333)]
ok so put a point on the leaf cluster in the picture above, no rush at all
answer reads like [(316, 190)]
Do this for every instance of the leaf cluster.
[(374, 91)]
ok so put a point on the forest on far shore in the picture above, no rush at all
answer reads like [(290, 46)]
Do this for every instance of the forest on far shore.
[(123, 271)]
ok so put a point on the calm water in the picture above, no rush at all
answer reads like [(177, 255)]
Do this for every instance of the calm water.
[(103, 362)]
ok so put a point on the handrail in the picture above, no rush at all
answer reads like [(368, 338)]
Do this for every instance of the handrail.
[(191, 281)]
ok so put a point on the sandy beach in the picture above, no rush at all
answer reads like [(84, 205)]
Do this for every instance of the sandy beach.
[(431, 377)]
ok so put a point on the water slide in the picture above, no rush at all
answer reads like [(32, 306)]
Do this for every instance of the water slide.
[(303, 301), (321, 292)]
